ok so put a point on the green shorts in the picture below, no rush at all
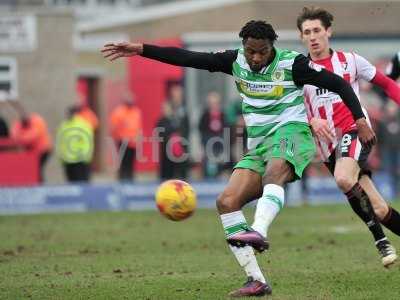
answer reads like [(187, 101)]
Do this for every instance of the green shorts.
[(292, 142)]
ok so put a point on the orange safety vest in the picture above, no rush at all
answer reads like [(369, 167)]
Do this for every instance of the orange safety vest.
[(35, 136), (126, 124)]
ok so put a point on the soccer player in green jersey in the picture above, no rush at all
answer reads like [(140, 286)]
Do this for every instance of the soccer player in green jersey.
[(270, 81)]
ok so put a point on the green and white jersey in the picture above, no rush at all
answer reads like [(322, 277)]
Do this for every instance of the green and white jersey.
[(270, 96)]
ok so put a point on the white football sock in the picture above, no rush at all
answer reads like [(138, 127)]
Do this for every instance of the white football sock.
[(247, 260), (234, 223), (268, 206)]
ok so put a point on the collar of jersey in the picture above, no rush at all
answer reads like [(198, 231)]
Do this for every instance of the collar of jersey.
[(272, 66), (331, 52)]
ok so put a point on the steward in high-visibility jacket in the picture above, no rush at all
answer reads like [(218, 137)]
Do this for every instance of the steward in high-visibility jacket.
[(126, 129), (75, 143)]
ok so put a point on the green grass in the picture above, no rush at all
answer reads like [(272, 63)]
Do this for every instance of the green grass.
[(316, 253)]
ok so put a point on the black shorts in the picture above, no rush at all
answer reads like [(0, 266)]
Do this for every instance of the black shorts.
[(350, 146)]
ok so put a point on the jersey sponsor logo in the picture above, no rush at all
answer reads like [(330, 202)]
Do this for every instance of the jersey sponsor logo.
[(243, 73), (278, 75), (255, 89), (285, 64), (314, 66)]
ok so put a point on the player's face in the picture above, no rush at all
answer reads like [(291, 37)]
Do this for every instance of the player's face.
[(315, 37), (257, 53)]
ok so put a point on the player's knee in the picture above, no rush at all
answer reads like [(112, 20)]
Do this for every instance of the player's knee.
[(345, 183), (227, 202), (278, 176), (271, 178)]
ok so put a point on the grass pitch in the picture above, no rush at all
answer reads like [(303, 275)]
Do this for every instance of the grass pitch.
[(316, 253)]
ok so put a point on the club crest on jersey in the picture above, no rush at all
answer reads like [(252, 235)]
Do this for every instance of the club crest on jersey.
[(278, 75), (315, 66)]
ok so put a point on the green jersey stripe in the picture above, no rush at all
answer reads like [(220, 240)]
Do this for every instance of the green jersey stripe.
[(294, 113), (257, 135), (259, 131), (272, 109), (263, 80), (261, 103)]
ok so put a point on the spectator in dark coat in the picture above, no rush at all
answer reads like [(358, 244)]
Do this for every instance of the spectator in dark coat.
[(211, 126)]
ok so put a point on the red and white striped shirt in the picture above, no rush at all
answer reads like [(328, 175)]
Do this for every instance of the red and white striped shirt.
[(323, 104)]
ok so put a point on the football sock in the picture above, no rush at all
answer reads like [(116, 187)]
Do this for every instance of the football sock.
[(235, 223), (392, 221), (361, 205), (268, 206)]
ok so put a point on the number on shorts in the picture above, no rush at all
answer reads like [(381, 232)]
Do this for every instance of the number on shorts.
[(346, 140)]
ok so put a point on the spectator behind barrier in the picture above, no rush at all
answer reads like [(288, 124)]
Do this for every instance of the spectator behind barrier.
[(75, 143), (180, 135), (211, 126), (126, 128), (31, 132), (165, 128)]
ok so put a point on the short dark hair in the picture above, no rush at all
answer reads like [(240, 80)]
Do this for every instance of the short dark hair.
[(315, 13), (259, 30), (73, 110)]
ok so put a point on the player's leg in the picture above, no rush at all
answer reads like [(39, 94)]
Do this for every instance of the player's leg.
[(346, 176), (292, 151), (278, 173), (244, 185), (352, 155), (387, 215), (288, 151)]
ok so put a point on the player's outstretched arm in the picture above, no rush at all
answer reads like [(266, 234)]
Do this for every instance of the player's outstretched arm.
[(213, 62), (368, 72), (113, 51), (394, 67), (389, 86)]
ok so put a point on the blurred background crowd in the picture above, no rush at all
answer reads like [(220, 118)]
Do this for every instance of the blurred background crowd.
[(68, 115)]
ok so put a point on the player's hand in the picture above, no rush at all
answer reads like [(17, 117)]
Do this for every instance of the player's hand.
[(365, 133), (113, 51), (321, 129)]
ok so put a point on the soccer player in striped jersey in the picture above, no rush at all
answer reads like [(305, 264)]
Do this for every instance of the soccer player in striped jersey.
[(270, 81), (335, 129)]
